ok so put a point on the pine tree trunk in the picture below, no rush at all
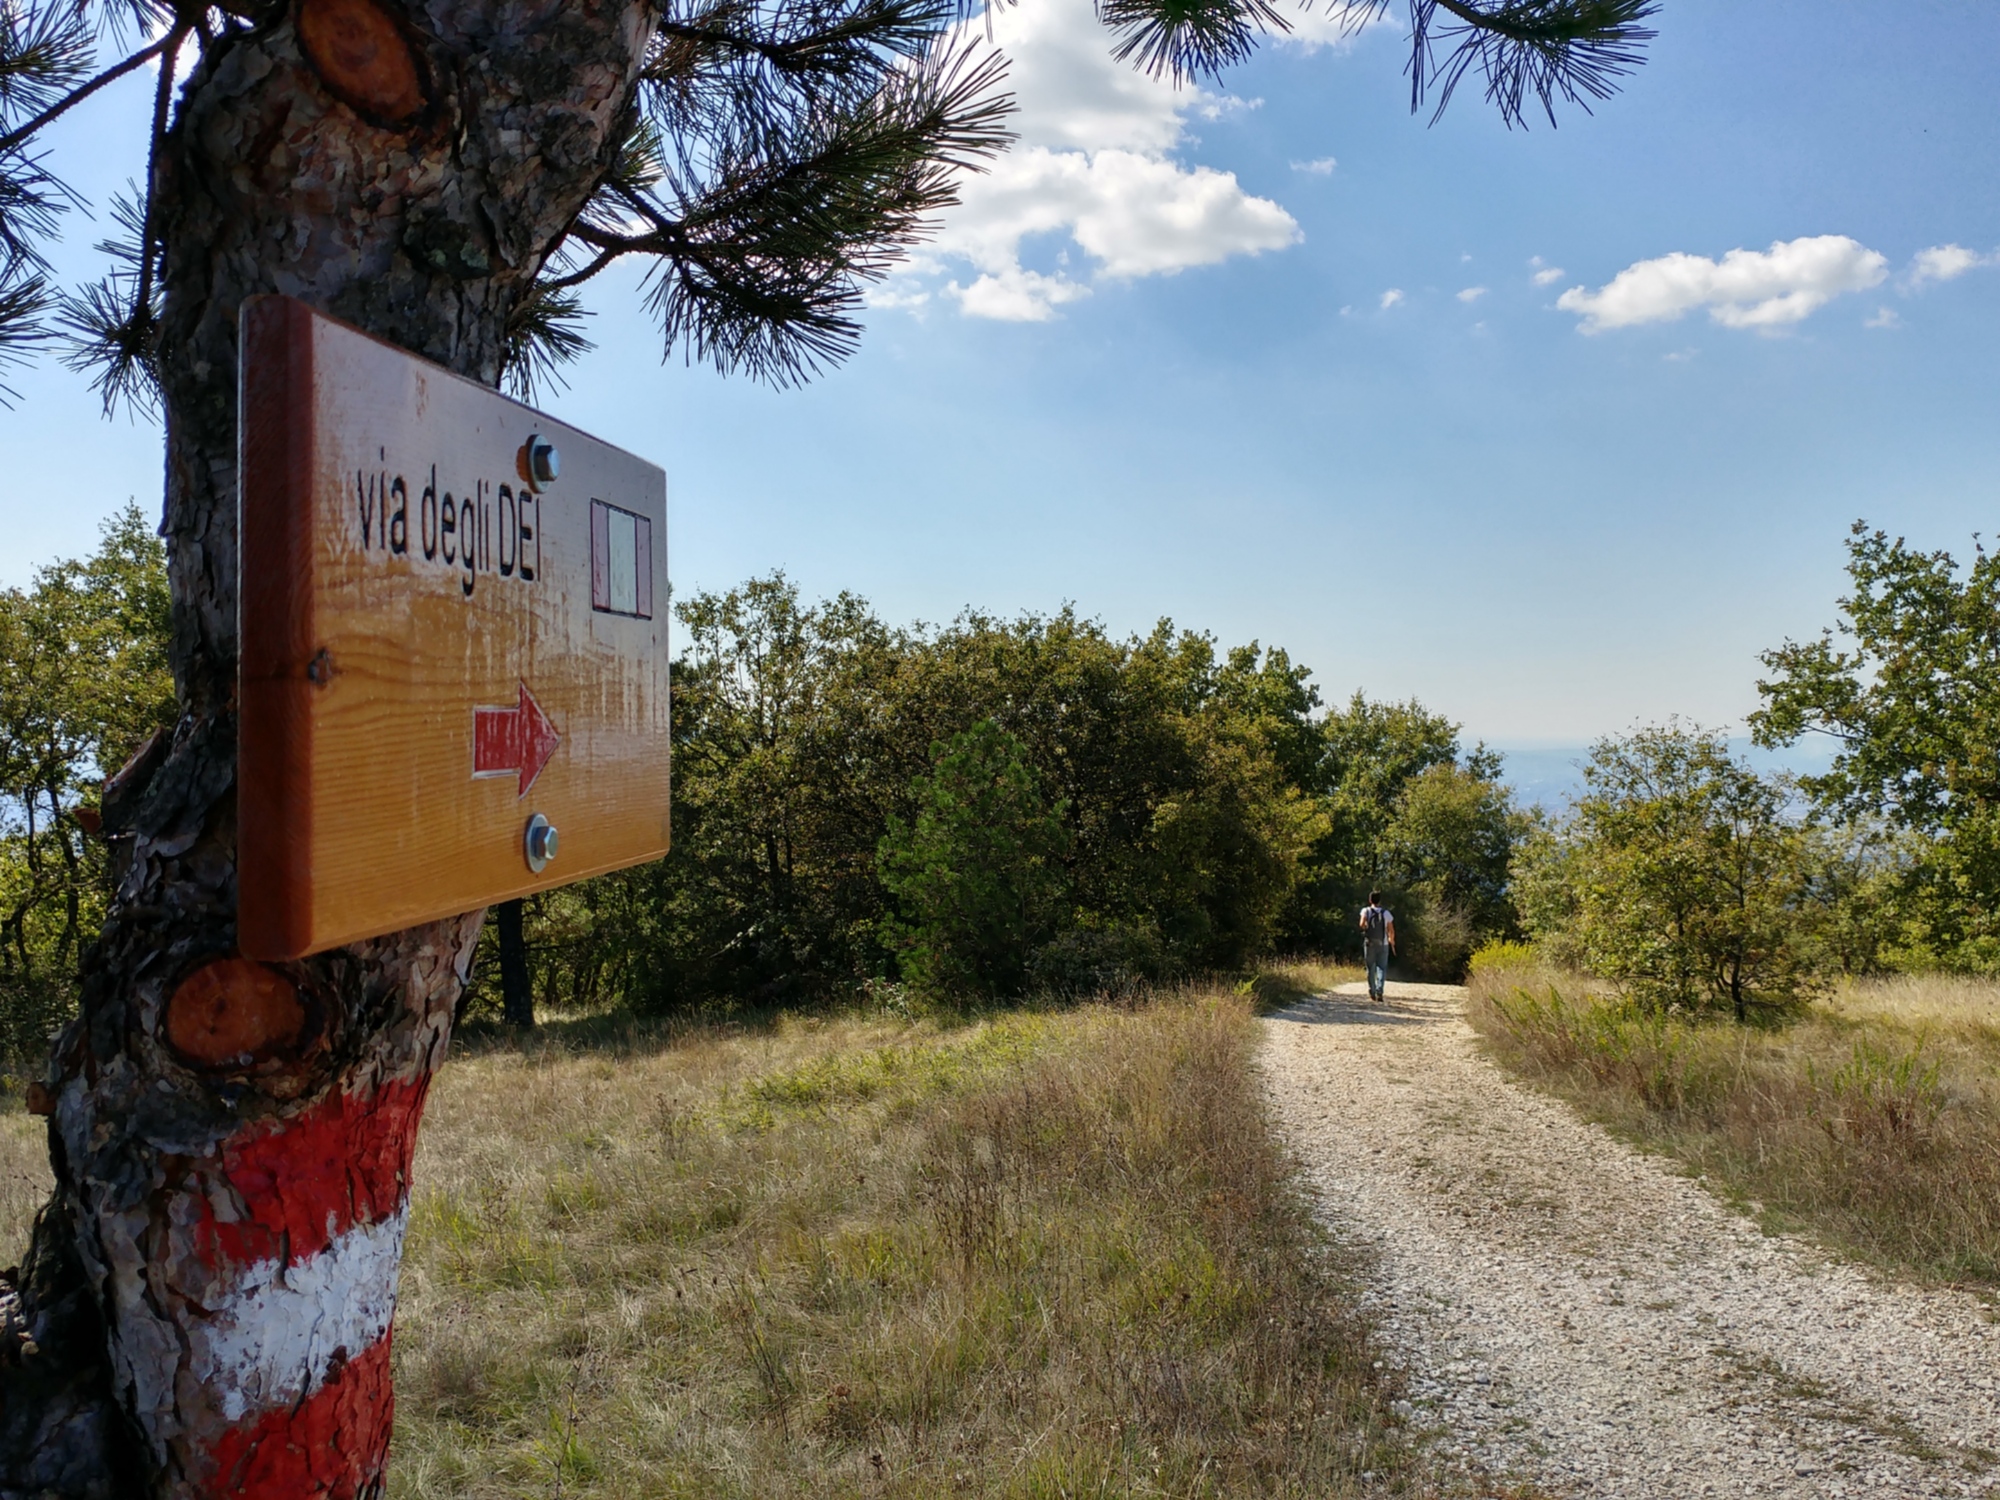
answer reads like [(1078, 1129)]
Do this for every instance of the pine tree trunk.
[(205, 1307)]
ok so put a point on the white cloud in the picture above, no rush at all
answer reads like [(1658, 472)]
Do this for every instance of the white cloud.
[(905, 298), (1331, 23), (1548, 275), (1884, 317), (1070, 94), (1014, 295), (1139, 214), (1946, 263), (1223, 106), (1762, 289), (1094, 165), (1319, 167), (1391, 297), (1472, 294)]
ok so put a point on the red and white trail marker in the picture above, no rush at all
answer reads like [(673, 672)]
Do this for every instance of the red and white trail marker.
[(514, 741), (301, 1264)]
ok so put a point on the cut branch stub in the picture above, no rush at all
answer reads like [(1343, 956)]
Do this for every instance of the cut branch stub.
[(233, 1013), (365, 58)]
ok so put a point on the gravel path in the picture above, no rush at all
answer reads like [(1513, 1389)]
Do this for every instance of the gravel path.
[(1574, 1314)]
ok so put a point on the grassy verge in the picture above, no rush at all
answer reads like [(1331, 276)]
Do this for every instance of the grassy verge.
[(24, 1175), (1043, 1254), (1871, 1121), (1282, 981)]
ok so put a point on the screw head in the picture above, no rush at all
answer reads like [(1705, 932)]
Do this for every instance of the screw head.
[(539, 843)]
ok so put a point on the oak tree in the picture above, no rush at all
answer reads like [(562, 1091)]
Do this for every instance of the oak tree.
[(1908, 692), (1682, 874)]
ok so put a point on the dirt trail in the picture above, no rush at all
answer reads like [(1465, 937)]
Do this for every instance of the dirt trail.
[(1574, 1313)]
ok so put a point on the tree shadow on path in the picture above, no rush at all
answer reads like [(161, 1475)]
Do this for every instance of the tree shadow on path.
[(1349, 1005)]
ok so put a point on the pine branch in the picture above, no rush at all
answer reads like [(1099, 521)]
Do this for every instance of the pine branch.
[(25, 300), (1575, 50), (43, 51), (76, 96), (764, 267), (542, 336), (106, 329), (46, 52), (31, 201), (727, 71), (112, 327), (590, 268), (787, 155), (1188, 39)]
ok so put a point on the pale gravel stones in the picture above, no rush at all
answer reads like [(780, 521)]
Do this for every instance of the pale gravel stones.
[(1574, 1313)]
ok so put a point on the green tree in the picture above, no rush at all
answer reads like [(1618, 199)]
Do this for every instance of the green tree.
[(775, 822), (1409, 811), (1913, 704), (801, 732), (1182, 823), (83, 683), (1680, 874), (1450, 845), (976, 875)]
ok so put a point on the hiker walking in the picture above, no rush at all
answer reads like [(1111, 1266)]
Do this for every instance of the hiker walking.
[(1378, 941)]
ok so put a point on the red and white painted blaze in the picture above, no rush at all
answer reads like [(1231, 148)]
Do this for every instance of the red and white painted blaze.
[(294, 1242)]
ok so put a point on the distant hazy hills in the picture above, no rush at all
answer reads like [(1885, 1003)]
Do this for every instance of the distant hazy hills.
[(1551, 775)]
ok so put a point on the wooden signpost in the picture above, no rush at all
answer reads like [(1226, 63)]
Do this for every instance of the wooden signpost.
[(453, 643)]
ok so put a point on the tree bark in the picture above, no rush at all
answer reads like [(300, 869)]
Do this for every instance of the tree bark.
[(205, 1307), (517, 996)]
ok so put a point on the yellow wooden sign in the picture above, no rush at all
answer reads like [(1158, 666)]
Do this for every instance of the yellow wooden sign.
[(453, 622)]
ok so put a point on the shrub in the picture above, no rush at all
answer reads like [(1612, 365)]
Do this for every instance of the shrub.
[(1100, 961), (1434, 938), (1499, 954), (1680, 874), (974, 875)]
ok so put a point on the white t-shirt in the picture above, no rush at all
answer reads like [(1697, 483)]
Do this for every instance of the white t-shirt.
[(1388, 921)]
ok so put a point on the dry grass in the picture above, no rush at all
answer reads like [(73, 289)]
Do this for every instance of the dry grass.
[(24, 1175), (1871, 1121), (1044, 1254), (1298, 978)]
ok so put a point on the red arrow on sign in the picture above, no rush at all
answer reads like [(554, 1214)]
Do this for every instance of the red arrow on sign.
[(510, 741)]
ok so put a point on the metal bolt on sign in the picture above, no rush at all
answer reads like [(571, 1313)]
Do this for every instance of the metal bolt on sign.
[(539, 843), (544, 461)]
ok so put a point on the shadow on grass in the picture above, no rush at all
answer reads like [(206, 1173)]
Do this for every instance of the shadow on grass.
[(622, 1033)]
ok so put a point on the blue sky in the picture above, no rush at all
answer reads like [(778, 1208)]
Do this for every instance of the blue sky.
[(1149, 368)]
